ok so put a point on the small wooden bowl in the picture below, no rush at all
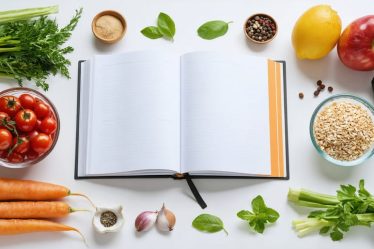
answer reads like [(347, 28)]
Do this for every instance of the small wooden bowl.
[(108, 13), (253, 40)]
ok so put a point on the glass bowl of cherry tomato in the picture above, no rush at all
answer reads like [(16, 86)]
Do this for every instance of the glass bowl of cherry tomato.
[(29, 127)]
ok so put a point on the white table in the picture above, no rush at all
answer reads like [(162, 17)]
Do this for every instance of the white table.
[(224, 197)]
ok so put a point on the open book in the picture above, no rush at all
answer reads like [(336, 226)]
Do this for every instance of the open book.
[(153, 113)]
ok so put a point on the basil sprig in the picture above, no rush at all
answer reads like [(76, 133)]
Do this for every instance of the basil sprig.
[(165, 28), (208, 223), (260, 215), (213, 29)]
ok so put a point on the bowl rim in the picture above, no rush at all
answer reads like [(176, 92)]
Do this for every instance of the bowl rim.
[(56, 135), (260, 42), (115, 14), (321, 152)]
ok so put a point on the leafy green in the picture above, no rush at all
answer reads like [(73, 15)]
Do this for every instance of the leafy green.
[(213, 29), (260, 215), (32, 49), (166, 25), (165, 28), (350, 207), (151, 32), (208, 223)]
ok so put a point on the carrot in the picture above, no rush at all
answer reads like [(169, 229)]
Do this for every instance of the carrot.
[(38, 209), (13, 189), (19, 226)]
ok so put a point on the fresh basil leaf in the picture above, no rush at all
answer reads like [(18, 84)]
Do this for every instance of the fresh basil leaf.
[(258, 204), (245, 215), (272, 215), (166, 25), (208, 223), (324, 230), (213, 29), (258, 226), (151, 32), (260, 216)]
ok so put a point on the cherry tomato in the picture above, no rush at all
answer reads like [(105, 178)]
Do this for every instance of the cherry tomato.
[(21, 144), (37, 125), (3, 154), (41, 109), (4, 119), (15, 158), (25, 120), (5, 139), (32, 134), (10, 105), (27, 101), (48, 125), (31, 154), (41, 143)]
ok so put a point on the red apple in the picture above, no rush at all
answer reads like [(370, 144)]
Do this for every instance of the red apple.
[(356, 44)]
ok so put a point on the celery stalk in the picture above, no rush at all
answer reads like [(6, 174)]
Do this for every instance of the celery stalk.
[(24, 14), (307, 198)]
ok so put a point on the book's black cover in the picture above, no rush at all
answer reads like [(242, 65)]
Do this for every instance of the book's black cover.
[(183, 176)]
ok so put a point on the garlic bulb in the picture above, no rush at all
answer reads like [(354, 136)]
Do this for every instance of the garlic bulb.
[(145, 220), (165, 219), (108, 220)]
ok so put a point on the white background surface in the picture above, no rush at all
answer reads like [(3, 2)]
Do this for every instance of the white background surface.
[(224, 197)]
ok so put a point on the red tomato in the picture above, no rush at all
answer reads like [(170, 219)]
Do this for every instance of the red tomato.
[(3, 154), (4, 115), (10, 105), (21, 144), (25, 120), (32, 134), (27, 101), (41, 109), (5, 139), (31, 155), (48, 125), (15, 158), (41, 143)]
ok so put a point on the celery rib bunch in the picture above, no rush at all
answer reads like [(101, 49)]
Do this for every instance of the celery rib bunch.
[(31, 48), (337, 214)]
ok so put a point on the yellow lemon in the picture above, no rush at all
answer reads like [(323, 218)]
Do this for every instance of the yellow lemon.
[(316, 32)]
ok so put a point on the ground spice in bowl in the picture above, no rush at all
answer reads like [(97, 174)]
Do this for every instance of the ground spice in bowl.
[(109, 26), (344, 129)]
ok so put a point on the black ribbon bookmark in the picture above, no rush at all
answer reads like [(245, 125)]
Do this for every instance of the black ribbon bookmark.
[(195, 192)]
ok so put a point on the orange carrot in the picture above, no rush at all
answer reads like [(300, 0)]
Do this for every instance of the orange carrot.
[(19, 226), (13, 189), (35, 209)]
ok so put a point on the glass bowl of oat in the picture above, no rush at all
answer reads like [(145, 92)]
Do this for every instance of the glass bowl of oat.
[(342, 130)]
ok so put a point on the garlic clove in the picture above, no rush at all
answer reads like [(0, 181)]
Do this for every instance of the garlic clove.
[(165, 219), (108, 220), (145, 220)]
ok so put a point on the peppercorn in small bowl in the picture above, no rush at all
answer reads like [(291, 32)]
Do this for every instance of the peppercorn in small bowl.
[(342, 130), (260, 28)]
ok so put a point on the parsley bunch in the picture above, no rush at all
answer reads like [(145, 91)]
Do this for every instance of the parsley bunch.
[(350, 207), (32, 49)]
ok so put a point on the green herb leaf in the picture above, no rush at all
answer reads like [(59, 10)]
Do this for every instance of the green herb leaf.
[(166, 25), (151, 32), (336, 235), (324, 230), (260, 216), (208, 223), (258, 205), (213, 29)]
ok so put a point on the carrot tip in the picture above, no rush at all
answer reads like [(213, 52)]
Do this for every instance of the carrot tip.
[(84, 196), (83, 238)]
